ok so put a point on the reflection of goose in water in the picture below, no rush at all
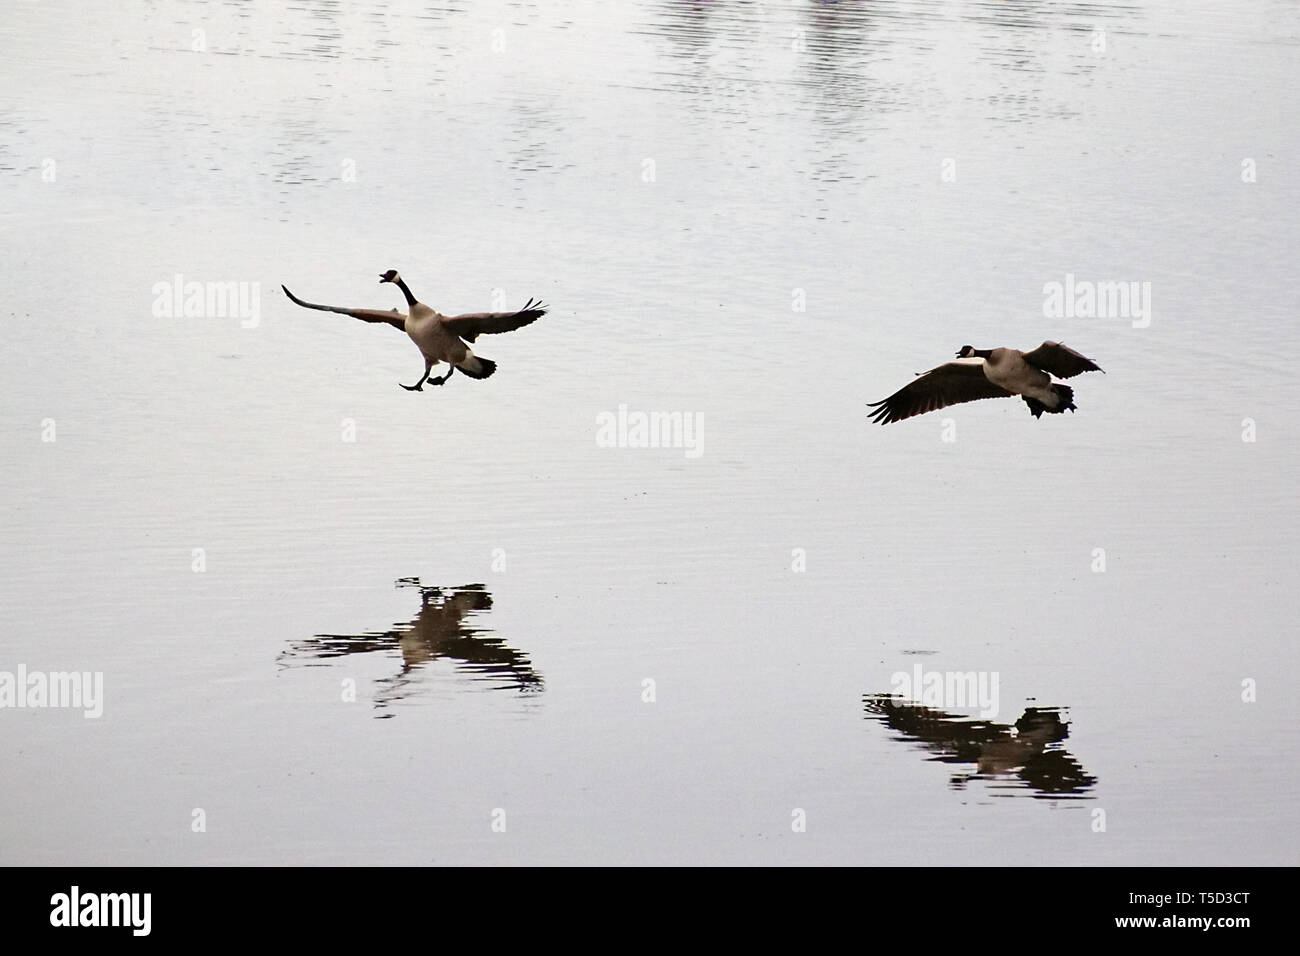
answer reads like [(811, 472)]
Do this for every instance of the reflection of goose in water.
[(1028, 750), (443, 628)]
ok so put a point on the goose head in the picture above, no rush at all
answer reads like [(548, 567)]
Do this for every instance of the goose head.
[(389, 276), (966, 351)]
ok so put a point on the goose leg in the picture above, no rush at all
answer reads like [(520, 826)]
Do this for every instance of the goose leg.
[(419, 382), (439, 381)]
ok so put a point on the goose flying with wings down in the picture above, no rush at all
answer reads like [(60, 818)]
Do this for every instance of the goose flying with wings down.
[(990, 373), (440, 338)]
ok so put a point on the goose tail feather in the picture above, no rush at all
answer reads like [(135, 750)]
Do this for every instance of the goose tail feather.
[(1064, 402), (476, 367)]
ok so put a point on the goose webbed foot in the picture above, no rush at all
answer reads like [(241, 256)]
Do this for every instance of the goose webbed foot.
[(442, 379), (419, 382)]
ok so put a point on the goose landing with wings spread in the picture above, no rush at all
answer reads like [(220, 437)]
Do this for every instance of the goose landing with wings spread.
[(991, 373), (440, 338)]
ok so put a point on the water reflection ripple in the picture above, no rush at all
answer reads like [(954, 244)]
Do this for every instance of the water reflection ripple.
[(1027, 754), (444, 628)]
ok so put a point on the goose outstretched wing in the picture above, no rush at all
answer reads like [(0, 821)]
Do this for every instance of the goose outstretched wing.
[(394, 318), (472, 325), (1060, 360), (950, 384)]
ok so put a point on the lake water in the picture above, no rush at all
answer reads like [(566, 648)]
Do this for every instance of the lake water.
[(337, 622)]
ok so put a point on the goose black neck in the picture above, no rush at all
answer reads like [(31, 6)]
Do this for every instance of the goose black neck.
[(401, 284), (984, 353)]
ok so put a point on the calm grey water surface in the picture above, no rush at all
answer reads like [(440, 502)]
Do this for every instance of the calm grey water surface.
[(760, 214)]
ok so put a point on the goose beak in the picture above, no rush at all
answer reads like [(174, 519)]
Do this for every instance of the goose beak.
[(383, 278)]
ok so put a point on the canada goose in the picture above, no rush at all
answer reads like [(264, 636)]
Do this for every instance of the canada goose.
[(438, 336), (990, 373)]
